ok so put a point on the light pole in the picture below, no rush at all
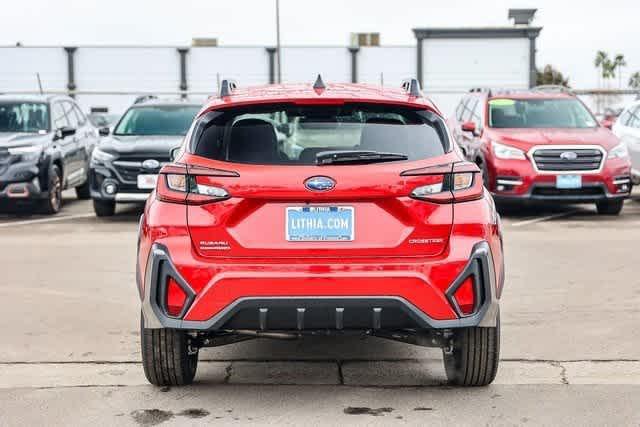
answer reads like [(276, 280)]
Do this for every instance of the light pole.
[(278, 41)]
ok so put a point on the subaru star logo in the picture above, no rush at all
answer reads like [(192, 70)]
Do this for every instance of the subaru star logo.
[(151, 164), (319, 183), (568, 155)]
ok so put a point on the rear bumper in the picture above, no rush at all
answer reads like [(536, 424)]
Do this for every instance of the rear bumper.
[(292, 307)]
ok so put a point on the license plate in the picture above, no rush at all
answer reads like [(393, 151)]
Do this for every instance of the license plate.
[(320, 224), (568, 181), (147, 182)]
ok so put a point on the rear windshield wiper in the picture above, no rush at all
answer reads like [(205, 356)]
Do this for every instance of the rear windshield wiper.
[(356, 157)]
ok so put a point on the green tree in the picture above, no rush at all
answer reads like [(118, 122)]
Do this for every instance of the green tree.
[(551, 76), (634, 80)]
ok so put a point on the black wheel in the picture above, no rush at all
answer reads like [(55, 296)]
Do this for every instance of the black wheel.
[(167, 356), (473, 359), (104, 207), (610, 207), (84, 191), (53, 203)]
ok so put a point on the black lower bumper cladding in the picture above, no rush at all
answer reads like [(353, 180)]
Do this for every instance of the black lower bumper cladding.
[(313, 313)]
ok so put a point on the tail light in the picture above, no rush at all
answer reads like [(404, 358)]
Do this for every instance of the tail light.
[(190, 185), (176, 297), (465, 296), (460, 182)]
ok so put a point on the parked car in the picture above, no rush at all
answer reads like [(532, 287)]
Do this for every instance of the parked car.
[(124, 167), (45, 146), (627, 128), (540, 145), (104, 121), (385, 231)]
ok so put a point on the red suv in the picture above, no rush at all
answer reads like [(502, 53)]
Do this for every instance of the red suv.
[(542, 145), (297, 210)]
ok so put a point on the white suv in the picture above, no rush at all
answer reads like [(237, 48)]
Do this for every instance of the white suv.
[(627, 128)]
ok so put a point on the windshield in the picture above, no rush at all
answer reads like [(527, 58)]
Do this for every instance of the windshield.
[(157, 120), (539, 113), (301, 135), (24, 117)]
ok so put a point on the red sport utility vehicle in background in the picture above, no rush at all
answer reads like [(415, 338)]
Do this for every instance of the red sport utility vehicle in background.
[(542, 144), (299, 209)]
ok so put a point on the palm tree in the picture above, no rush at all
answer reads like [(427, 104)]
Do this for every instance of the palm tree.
[(601, 62), (618, 63)]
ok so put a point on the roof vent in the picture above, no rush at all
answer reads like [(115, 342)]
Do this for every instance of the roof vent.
[(522, 16), (412, 87), (227, 86), (319, 84)]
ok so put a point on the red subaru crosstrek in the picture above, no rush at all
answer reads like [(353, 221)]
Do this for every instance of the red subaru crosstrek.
[(296, 210), (542, 145)]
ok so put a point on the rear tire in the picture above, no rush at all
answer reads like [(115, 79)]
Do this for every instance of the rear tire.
[(610, 207), (473, 360), (104, 207), (167, 358), (53, 202)]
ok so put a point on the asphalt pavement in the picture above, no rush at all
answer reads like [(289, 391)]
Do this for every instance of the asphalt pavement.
[(69, 353)]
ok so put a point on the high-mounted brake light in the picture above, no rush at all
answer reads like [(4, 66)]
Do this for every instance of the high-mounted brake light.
[(460, 182), (183, 184)]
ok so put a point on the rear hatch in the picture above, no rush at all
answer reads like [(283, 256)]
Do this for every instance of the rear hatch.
[(271, 213), (290, 197)]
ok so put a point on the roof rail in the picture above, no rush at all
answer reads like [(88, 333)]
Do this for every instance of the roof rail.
[(481, 90), (227, 86), (552, 88), (412, 87), (144, 98)]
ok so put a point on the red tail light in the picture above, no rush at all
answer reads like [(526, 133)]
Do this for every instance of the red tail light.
[(187, 185), (465, 296), (460, 182), (176, 297)]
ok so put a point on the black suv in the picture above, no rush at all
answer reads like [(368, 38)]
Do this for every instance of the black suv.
[(45, 147), (125, 166)]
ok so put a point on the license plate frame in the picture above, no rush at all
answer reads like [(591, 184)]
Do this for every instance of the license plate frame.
[(568, 182), (147, 181), (295, 231)]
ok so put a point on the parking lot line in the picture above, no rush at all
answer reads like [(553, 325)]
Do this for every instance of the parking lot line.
[(544, 218), (46, 220)]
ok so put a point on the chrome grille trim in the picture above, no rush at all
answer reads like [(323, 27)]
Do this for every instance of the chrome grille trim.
[(592, 155)]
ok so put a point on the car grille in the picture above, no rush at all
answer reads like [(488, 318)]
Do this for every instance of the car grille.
[(130, 167), (567, 159)]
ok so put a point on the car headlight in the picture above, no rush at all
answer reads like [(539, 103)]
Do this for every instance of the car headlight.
[(98, 156), (620, 151), (27, 153), (502, 151)]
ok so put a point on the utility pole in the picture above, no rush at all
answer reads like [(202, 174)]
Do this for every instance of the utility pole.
[(278, 53)]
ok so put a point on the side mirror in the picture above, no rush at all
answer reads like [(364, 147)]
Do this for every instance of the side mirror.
[(104, 131), (470, 127), (64, 132), (174, 153), (607, 123)]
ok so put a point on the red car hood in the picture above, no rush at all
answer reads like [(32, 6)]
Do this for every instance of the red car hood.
[(527, 138)]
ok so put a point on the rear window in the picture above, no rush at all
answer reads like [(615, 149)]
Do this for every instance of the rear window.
[(295, 135)]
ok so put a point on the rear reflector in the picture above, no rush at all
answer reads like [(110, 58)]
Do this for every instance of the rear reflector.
[(175, 299), (465, 296)]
